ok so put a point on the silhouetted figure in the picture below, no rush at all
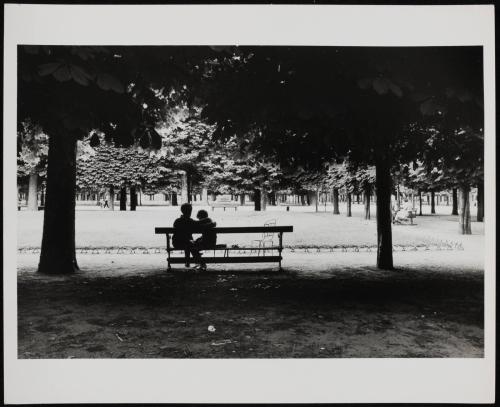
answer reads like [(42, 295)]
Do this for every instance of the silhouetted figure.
[(183, 228), (106, 205), (208, 237)]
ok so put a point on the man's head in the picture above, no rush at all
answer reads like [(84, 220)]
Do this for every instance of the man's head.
[(202, 214), (186, 209)]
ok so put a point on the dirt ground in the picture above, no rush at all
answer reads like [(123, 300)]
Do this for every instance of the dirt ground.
[(322, 306)]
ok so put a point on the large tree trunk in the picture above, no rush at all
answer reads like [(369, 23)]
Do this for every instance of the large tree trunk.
[(204, 195), (464, 211), (367, 194), (123, 198), (174, 199), (111, 201), (336, 201), (33, 192), (480, 202), (357, 199), (242, 199), (433, 203), (349, 203), (454, 198), (58, 239), (133, 198), (420, 202), (384, 216), (256, 199), (302, 200)]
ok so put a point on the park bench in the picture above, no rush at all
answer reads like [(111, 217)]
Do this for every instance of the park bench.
[(224, 201), (227, 257)]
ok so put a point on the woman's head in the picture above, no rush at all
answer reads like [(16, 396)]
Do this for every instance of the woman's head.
[(202, 214)]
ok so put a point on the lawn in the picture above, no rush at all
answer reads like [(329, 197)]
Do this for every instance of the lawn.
[(104, 228)]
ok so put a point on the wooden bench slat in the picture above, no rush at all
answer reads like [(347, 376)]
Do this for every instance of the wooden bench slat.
[(233, 229), (235, 259)]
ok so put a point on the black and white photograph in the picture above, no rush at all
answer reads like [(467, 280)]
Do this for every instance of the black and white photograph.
[(266, 202)]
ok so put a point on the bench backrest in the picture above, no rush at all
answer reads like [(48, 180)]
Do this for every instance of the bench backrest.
[(234, 229), (223, 198)]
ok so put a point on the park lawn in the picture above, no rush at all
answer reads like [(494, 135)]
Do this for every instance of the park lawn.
[(323, 305), (104, 228)]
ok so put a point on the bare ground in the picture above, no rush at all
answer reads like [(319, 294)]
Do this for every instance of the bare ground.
[(322, 306)]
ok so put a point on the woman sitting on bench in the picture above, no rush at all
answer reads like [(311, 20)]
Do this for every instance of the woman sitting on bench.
[(207, 240)]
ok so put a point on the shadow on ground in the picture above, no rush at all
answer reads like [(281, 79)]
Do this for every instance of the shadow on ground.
[(252, 314)]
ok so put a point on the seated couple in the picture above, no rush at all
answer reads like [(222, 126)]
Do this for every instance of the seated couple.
[(183, 233)]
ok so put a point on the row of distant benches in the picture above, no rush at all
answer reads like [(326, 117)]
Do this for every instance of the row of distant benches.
[(225, 201)]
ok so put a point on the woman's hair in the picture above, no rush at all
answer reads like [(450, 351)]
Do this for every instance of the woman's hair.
[(202, 214)]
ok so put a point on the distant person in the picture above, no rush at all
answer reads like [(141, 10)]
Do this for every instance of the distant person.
[(403, 214), (208, 237), (106, 205)]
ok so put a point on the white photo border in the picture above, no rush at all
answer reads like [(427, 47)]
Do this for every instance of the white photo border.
[(246, 380)]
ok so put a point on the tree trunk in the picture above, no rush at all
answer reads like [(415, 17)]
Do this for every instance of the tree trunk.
[(302, 200), (420, 202), (263, 199), (204, 195), (433, 203), (33, 192), (368, 189), (312, 199), (184, 188), (42, 195), (242, 199), (189, 187), (272, 198), (174, 199), (384, 216), (348, 200), (58, 239), (357, 199), (454, 199), (123, 198), (336, 201), (480, 203), (111, 201), (133, 198), (464, 211), (256, 199)]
